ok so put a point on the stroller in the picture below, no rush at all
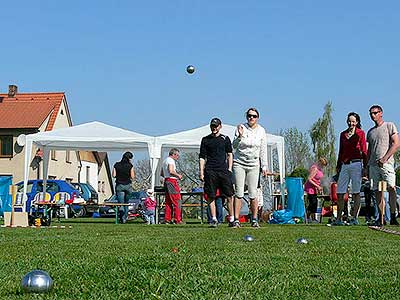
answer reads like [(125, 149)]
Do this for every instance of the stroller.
[(136, 209)]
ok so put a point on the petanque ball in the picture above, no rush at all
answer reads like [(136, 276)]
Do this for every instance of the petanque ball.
[(248, 238), (190, 69), (302, 241), (37, 281)]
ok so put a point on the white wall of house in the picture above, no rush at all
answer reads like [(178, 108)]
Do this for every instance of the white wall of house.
[(88, 173), (104, 186)]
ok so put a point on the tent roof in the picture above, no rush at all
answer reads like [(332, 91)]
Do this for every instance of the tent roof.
[(90, 136), (192, 138)]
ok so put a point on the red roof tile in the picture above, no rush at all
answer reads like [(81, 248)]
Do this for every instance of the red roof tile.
[(29, 110)]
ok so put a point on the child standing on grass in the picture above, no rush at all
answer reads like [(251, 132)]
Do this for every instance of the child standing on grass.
[(150, 205)]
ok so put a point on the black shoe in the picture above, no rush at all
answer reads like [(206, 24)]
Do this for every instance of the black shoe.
[(379, 224), (393, 220), (214, 224), (376, 224), (236, 224)]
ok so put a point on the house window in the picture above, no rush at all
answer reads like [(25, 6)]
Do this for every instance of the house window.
[(53, 154), (87, 174), (67, 179), (6, 146), (52, 177), (68, 156)]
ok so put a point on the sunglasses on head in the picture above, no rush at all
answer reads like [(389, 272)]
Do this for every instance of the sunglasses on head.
[(249, 116)]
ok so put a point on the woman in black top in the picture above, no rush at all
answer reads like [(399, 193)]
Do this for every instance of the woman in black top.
[(124, 173)]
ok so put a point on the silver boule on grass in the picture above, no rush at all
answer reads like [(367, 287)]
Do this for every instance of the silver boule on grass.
[(302, 241), (37, 281), (248, 238), (190, 69)]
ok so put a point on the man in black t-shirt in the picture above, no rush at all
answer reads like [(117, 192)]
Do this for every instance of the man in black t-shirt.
[(215, 163)]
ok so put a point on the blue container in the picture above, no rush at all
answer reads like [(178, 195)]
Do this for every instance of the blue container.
[(295, 198), (5, 197)]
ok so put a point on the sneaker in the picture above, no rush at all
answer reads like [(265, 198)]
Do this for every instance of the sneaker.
[(236, 224), (354, 222), (377, 224), (180, 223), (214, 224), (337, 223), (393, 221), (231, 224), (255, 224)]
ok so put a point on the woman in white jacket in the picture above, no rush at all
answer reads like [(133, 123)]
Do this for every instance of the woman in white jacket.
[(250, 153)]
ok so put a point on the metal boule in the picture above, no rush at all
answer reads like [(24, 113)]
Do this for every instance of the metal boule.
[(190, 69), (302, 241), (248, 238), (37, 281)]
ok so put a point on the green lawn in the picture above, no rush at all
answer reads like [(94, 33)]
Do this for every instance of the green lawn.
[(96, 259)]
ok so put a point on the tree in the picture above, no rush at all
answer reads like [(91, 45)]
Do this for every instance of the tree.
[(397, 176), (397, 161), (300, 172), (188, 166), (322, 135), (297, 149), (142, 175)]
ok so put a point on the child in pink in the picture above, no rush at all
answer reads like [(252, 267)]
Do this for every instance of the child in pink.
[(313, 187), (150, 205)]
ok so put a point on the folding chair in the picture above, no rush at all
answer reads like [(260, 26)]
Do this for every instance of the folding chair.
[(63, 199)]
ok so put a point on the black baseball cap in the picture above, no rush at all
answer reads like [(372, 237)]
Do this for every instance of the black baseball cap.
[(215, 122)]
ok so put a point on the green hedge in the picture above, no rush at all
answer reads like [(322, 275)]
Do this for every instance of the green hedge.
[(300, 172)]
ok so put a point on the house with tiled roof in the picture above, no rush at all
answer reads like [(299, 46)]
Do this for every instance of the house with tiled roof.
[(26, 113)]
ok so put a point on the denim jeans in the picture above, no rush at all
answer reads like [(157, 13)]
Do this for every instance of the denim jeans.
[(124, 192), (150, 216), (219, 208)]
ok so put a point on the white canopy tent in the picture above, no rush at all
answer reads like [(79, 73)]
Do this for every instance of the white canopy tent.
[(97, 136), (191, 139), (93, 136)]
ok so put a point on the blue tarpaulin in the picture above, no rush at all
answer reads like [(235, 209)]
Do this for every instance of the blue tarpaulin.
[(283, 216), (295, 199), (5, 197)]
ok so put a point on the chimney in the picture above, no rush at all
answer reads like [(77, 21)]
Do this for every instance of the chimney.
[(12, 90)]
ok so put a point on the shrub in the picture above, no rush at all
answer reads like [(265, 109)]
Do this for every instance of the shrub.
[(300, 172)]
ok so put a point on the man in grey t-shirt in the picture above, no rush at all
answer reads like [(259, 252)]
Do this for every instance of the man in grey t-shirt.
[(383, 142)]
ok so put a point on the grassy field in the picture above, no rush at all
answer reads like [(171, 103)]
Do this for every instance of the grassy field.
[(96, 259)]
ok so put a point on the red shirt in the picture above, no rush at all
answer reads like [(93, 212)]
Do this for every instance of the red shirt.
[(351, 148)]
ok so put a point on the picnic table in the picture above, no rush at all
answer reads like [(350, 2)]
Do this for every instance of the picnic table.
[(189, 199)]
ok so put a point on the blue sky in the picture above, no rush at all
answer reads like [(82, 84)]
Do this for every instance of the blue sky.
[(123, 62)]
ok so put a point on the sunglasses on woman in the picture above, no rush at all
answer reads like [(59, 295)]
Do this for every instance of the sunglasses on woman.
[(250, 116)]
